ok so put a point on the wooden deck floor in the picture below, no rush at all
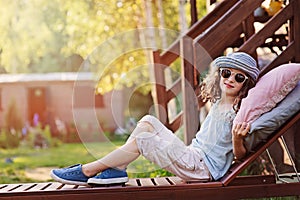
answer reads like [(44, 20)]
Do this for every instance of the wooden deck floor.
[(132, 183), (153, 188)]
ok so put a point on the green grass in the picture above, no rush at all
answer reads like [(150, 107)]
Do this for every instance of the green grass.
[(62, 156)]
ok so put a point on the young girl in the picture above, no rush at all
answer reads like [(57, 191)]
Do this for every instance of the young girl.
[(211, 152)]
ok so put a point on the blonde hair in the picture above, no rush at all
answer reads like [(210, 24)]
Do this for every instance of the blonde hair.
[(211, 91)]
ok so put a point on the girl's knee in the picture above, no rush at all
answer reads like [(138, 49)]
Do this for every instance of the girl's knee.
[(151, 122), (142, 129), (145, 126)]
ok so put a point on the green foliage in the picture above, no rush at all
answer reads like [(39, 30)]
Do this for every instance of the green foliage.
[(40, 137), (12, 119), (10, 175), (9, 139), (49, 36), (10, 135), (152, 174)]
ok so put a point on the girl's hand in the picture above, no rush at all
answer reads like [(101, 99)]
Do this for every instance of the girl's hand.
[(239, 132)]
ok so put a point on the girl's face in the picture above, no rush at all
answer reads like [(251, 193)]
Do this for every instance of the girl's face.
[(231, 81)]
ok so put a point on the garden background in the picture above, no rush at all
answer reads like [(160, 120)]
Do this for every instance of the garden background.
[(42, 36)]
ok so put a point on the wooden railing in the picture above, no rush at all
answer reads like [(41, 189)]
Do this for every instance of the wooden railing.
[(230, 24)]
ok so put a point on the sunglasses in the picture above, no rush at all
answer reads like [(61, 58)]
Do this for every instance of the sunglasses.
[(240, 78)]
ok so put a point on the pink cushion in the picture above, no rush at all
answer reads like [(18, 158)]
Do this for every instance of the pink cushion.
[(269, 90)]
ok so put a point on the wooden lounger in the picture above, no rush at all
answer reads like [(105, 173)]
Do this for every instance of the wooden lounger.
[(231, 186)]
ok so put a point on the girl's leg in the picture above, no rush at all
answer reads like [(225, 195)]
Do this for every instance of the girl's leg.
[(121, 157)]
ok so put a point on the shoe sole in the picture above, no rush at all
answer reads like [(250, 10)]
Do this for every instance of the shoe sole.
[(64, 181), (107, 181)]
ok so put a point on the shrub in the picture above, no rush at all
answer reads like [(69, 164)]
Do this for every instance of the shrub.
[(12, 119), (9, 139), (39, 137)]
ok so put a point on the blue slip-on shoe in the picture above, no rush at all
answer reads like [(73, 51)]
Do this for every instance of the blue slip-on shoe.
[(109, 176), (71, 175)]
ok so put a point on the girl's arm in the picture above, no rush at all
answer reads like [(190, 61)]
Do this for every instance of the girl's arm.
[(239, 132)]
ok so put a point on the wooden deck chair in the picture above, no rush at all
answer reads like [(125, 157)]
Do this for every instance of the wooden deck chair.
[(230, 186)]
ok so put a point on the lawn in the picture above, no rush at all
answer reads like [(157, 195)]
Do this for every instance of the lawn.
[(15, 162)]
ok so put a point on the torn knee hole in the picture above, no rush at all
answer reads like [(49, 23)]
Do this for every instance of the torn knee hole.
[(146, 126)]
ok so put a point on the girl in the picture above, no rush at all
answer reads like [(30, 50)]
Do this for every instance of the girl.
[(211, 152)]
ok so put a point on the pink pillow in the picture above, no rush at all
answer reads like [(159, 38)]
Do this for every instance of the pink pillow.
[(269, 90)]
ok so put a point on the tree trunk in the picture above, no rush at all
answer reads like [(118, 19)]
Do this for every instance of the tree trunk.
[(182, 17)]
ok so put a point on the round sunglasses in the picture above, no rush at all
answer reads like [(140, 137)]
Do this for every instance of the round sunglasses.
[(226, 73)]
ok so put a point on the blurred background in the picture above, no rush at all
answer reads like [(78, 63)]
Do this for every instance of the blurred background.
[(53, 68)]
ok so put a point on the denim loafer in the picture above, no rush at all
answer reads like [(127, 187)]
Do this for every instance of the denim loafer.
[(71, 175)]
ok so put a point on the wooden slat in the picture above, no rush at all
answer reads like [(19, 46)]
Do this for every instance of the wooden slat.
[(39, 186), (249, 31), (83, 187), (9, 187), (53, 186), (146, 182), (67, 186), (176, 123), (253, 180), (161, 181), (174, 180), (174, 90), (248, 26), (23, 187), (285, 56), (3, 186), (132, 182), (228, 41), (171, 54), (208, 184), (272, 25), (289, 177)]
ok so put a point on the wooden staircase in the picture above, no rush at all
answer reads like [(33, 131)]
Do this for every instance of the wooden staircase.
[(229, 25)]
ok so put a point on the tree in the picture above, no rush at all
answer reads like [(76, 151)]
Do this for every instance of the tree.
[(45, 36)]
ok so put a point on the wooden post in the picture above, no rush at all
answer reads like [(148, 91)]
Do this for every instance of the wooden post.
[(249, 30), (296, 29), (190, 104), (159, 93), (194, 14)]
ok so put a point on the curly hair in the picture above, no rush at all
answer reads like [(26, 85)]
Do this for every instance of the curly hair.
[(211, 91)]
